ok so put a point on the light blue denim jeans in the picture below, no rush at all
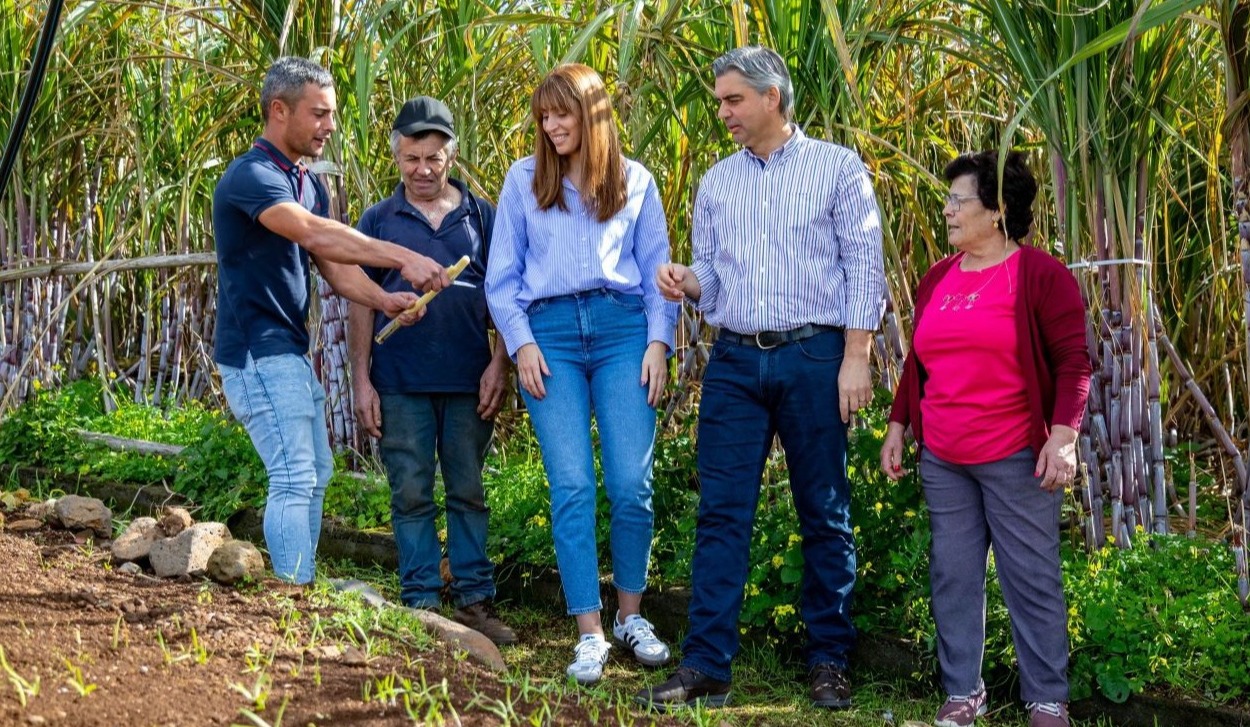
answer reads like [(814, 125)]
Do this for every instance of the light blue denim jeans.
[(593, 344), (282, 405), (415, 429)]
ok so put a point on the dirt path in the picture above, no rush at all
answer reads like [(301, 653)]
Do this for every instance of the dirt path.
[(86, 645)]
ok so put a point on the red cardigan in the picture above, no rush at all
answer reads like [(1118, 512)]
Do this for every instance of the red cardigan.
[(1050, 326)]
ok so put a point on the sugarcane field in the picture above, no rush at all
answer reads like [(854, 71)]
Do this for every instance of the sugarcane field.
[(637, 362)]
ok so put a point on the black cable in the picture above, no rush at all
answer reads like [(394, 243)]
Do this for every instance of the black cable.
[(34, 84)]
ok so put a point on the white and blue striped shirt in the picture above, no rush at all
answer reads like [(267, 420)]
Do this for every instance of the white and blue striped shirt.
[(791, 240), (537, 254)]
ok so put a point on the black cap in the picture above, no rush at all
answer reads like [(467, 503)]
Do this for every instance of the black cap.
[(424, 114)]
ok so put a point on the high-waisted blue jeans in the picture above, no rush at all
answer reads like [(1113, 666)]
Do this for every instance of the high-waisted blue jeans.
[(593, 344)]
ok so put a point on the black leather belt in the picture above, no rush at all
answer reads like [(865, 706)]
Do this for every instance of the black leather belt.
[(771, 339)]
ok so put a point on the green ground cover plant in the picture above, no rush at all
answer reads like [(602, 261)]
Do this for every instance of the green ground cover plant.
[(1163, 615)]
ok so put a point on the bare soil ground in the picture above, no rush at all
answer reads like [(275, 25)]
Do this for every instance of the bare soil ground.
[(85, 645)]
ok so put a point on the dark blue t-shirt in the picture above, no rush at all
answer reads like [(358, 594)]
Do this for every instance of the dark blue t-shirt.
[(448, 349), (262, 278)]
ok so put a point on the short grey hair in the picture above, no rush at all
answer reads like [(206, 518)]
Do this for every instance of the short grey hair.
[(285, 80), (450, 147), (763, 69)]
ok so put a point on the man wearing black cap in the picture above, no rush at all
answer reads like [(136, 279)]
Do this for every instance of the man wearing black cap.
[(432, 390), (270, 216)]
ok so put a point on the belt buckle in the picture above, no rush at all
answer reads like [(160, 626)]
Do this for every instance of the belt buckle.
[(777, 337)]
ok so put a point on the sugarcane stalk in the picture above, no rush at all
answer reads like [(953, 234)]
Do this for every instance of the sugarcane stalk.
[(452, 273), (1204, 405), (1192, 532)]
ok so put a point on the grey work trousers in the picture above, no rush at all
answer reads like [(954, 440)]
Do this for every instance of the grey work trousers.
[(999, 504)]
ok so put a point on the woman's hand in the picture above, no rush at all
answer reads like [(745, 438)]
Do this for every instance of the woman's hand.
[(1057, 463), (676, 282), (892, 452), (654, 371), (531, 367)]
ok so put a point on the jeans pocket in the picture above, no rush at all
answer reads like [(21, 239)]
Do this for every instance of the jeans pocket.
[(822, 347), (234, 386), (629, 302), (537, 306), (720, 349)]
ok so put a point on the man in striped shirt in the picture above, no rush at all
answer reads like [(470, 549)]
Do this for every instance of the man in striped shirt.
[(788, 263)]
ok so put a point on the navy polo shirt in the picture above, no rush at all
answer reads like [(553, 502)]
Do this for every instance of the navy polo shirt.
[(448, 349), (262, 278)]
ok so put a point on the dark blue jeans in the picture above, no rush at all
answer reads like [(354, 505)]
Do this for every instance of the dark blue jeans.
[(416, 428), (749, 396)]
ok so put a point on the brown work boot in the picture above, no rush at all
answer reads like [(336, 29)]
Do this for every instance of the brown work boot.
[(481, 617), (831, 688)]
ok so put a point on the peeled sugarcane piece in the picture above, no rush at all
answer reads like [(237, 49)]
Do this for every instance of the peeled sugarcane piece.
[(424, 300)]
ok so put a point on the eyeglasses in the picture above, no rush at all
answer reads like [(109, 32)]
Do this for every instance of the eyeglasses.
[(955, 201)]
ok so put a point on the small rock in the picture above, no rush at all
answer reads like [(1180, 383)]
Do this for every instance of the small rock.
[(189, 551), (35, 719), (328, 651), (24, 526), (45, 511), (353, 656), (137, 541), (235, 561), (174, 521), (79, 513)]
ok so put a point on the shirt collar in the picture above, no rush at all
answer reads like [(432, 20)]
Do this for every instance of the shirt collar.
[(267, 148), (797, 138), (401, 204)]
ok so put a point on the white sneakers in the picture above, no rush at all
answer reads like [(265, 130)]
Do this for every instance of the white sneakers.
[(589, 656), (637, 634)]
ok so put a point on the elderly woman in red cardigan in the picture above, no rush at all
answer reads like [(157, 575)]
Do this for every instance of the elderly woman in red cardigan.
[(994, 389)]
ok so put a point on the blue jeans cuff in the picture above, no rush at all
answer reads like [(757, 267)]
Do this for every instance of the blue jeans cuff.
[(723, 675), (464, 600)]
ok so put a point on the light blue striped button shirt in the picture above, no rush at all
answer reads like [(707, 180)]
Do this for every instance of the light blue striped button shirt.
[(789, 241), (537, 254)]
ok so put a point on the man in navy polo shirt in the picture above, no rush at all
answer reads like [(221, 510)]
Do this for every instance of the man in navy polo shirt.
[(432, 391), (269, 218)]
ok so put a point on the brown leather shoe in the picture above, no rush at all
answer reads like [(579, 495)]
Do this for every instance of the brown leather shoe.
[(830, 686), (481, 617)]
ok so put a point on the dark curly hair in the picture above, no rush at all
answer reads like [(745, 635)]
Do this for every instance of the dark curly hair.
[(1019, 186)]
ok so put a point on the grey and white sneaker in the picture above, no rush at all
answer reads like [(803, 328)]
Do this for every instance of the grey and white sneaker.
[(638, 635), (589, 656)]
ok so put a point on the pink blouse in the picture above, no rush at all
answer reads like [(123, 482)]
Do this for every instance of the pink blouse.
[(976, 400)]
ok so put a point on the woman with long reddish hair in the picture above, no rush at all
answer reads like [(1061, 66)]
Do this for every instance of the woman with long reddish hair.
[(570, 283)]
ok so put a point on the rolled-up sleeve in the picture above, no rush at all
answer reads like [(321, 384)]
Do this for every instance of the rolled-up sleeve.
[(506, 267), (858, 222)]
